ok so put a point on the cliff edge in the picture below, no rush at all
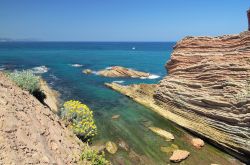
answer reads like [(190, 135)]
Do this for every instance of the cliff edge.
[(207, 90), (209, 84), (31, 133)]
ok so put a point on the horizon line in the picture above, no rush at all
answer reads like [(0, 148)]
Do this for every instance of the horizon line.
[(79, 41)]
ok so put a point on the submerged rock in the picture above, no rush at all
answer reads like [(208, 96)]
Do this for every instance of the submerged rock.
[(118, 71), (167, 135), (197, 143), (179, 155), (170, 149), (139, 159), (147, 123), (119, 160), (111, 147), (87, 71), (122, 144), (115, 117), (99, 147)]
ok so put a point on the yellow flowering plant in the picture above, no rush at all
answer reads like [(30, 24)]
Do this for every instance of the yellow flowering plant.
[(81, 119)]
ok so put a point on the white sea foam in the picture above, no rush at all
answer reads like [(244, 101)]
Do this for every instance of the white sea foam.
[(77, 65), (2, 67), (108, 68), (153, 76), (119, 82), (95, 72), (40, 69), (144, 77), (53, 77)]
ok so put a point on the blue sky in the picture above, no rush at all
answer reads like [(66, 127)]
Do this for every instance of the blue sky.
[(120, 20)]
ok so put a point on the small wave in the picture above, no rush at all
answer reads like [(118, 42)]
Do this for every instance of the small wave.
[(2, 67), (144, 77), (119, 82), (53, 77), (109, 68), (95, 72), (40, 69), (153, 76), (77, 65)]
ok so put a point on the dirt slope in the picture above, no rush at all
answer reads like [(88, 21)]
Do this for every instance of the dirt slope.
[(31, 133)]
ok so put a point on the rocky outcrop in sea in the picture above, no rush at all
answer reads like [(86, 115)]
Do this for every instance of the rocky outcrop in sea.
[(119, 71), (207, 90)]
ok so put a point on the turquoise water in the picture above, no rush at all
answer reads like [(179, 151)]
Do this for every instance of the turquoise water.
[(132, 126)]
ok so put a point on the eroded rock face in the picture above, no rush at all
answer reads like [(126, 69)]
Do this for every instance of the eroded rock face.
[(51, 98), (31, 133), (118, 71), (207, 90), (209, 85)]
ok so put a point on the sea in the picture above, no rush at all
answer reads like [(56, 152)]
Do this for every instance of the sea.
[(61, 65)]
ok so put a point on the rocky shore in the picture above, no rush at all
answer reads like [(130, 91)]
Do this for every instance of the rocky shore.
[(207, 90), (30, 132), (51, 96)]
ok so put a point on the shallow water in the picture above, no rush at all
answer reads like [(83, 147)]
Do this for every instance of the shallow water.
[(132, 127)]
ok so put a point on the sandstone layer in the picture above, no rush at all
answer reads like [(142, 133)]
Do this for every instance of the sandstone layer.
[(118, 71), (207, 90), (30, 133)]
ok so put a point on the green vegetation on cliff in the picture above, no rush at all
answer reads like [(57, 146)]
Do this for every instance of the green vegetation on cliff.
[(81, 119), (25, 80), (94, 157)]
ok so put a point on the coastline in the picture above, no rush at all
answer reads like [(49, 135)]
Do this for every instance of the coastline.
[(143, 94), (206, 90)]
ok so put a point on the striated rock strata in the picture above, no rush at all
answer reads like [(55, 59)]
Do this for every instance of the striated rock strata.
[(118, 71), (207, 89), (31, 133)]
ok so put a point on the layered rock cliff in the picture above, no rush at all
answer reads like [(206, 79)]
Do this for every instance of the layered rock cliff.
[(209, 82), (31, 133), (207, 90)]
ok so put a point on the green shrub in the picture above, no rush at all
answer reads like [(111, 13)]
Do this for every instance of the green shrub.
[(81, 119), (93, 157), (25, 80)]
